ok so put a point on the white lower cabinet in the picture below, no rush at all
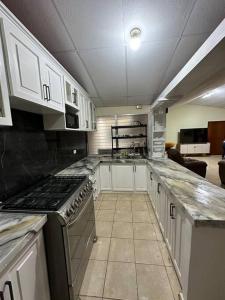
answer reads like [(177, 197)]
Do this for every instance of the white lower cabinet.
[(140, 177), (123, 177), (105, 177), (27, 279)]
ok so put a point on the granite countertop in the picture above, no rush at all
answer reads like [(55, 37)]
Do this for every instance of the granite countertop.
[(16, 231), (87, 165), (202, 201)]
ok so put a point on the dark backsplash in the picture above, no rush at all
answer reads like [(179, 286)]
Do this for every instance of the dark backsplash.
[(28, 153)]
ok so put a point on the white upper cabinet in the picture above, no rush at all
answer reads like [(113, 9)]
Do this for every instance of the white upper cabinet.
[(23, 64), (52, 82), (71, 93), (5, 113)]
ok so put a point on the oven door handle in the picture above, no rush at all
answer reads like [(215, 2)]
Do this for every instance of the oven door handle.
[(81, 212)]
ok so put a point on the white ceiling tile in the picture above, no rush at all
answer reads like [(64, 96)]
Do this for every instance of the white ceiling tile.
[(97, 102), (144, 100), (114, 101), (188, 45), (93, 23), (206, 16), (41, 18), (107, 69), (147, 66), (158, 19), (72, 62)]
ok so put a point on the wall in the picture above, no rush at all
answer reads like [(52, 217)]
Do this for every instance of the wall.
[(121, 110), (27, 152), (190, 116)]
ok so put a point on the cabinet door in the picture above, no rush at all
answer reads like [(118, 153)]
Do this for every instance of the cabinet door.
[(29, 276), (24, 65), (123, 177), (105, 177), (53, 79), (140, 177)]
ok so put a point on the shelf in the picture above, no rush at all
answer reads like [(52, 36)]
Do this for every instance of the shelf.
[(129, 137), (124, 148), (129, 126)]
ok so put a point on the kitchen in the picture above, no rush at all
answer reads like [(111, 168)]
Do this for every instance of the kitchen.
[(91, 207)]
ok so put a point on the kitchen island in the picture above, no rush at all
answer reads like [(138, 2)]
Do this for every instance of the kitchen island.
[(190, 212), (23, 269)]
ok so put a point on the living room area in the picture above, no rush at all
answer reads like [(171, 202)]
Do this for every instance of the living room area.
[(197, 133)]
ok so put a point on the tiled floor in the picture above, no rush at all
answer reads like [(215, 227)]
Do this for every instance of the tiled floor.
[(130, 259)]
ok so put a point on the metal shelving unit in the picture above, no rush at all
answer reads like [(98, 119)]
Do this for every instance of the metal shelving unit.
[(116, 137)]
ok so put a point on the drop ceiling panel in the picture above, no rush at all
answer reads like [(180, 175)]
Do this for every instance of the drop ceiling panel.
[(41, 18), (206, 16), (93, 23), (145, 100), (97, 102), (72, 62), (107, 69), (185, 50), (147, 66), (114, 101), (158, 19)]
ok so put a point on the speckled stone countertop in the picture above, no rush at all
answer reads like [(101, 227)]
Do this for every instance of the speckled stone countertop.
[(16, 231), (202, 201), (87, 165)]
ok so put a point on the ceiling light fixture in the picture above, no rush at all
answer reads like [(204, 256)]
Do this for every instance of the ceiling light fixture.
[(135, 38), (209, 94)]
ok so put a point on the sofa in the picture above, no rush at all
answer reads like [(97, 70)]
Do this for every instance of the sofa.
[(197, 166), (222, 171)]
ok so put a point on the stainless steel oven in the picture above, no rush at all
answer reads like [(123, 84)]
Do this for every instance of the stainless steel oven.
[(79, 235)]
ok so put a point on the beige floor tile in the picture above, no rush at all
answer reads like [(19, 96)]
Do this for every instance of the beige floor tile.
[(139, 197), (144, 231), (88, 298), (100, 250), (123, 205), (94, 278), (108, 205), (148, 252), (122, 230), (158, 232), (123, 216), (174, 283), (125, 196), (139, 205), (103, 229), (141, 216), (109, 197), (165, 254), (97, 204), (153, 218), (105, 215), (121, 250), (153, 283), (93, 217), (120, 281)]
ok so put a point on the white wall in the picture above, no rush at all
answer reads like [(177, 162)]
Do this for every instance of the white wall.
[(190, 116), (121, 110)]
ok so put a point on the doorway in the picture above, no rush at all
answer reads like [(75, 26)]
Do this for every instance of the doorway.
[(216, 135)]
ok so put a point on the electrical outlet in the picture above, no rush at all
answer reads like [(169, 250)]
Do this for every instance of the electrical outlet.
[(74, 151)]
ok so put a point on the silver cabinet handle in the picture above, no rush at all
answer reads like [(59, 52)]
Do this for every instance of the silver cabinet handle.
[(158, 189), (45, 91), (9, 284), (48, 93)]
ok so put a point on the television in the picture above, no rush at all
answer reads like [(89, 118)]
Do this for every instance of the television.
[(194, 136)]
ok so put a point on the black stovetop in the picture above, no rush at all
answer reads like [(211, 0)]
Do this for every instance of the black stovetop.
[(47, 195)]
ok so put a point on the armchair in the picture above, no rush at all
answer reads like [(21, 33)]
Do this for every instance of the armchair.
[(197, 166)]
